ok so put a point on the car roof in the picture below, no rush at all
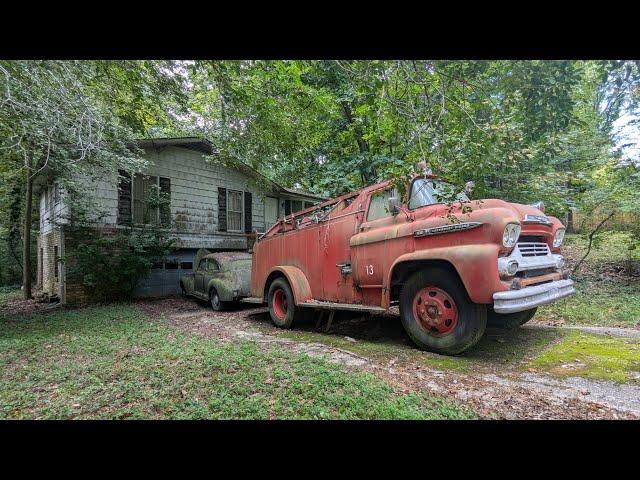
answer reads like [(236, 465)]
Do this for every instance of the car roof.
[(225, 257)]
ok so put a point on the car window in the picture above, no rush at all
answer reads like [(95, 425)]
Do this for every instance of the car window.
[(379, 206), (213, 265), (203, 264)]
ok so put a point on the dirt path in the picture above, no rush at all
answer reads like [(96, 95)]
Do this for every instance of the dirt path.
[(492, 390)]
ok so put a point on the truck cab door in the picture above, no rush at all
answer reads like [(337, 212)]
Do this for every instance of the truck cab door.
[(373, 246)]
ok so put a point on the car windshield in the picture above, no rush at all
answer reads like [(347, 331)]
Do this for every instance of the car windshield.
[(428, 192)]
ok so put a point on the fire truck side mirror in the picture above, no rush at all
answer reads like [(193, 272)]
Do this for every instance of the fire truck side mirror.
[(394, 205)]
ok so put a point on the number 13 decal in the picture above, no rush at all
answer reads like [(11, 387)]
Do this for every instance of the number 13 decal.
[(369, 269)]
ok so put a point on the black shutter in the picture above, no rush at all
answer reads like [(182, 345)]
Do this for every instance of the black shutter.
[(287, 207), (247, 212), (222, 209), (124, 198), (165, 207)]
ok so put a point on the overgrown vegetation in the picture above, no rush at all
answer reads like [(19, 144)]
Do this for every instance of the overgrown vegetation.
[(110, 263), (113, 362), (607, 283)]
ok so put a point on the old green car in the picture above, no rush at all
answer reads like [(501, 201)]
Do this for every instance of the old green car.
[(220, 278)]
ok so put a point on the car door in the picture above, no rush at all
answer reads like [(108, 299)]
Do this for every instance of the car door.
[(199, 277)]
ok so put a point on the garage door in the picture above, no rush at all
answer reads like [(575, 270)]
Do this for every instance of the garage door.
[(164, 278)]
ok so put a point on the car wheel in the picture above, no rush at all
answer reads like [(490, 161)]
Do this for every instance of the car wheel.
[(215, 301), (509, 321), (282, 308), (437, 313)]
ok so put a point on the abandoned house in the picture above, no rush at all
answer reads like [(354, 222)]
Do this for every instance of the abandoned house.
[(212, 205)]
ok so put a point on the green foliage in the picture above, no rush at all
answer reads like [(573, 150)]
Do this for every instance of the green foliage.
[(109, 263), (113, 362)]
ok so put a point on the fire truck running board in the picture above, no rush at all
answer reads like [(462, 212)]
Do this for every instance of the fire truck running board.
[(257, 300), (342, 306)]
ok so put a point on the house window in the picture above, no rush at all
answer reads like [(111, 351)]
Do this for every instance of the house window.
[(308, 205), (296, 206), (234, 210), (135, 199)]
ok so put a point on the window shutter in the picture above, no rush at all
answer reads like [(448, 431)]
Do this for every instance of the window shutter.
[(124, 198), (247, 212), (165, 208), (222, 209), (287, 207)]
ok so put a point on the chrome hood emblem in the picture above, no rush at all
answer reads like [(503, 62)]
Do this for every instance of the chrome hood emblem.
[(543, 219)]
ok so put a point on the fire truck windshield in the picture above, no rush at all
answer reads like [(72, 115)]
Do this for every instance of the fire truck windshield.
[(426, 191)]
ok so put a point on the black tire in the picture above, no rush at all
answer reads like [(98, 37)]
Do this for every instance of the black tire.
[(471, 319), (214, 299), (282, 308), (509, 321)]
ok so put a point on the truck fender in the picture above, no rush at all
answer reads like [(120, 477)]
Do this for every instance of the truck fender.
[(297, 280), (476, 266)]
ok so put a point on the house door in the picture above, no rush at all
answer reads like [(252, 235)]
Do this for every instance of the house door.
[(270, 212)]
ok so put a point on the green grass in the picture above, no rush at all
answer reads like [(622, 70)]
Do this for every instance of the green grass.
[(7, 294), (113, 362), (598, 303), (592, 356), (606, 293)]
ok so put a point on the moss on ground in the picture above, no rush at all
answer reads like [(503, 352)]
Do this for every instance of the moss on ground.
[(592, 356)]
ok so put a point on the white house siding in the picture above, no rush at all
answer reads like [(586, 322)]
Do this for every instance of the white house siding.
[(194, 197), (194, 211)]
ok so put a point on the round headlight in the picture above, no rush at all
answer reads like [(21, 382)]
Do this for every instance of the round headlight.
[(510, 234), (512, 268), (558, 238)]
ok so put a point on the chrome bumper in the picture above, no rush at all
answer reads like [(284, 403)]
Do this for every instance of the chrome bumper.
[(511, 301)]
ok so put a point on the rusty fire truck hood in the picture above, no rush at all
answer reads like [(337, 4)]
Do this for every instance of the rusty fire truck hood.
[(520, 210)]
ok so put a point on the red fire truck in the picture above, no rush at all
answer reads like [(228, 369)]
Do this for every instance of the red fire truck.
[(451, 266)]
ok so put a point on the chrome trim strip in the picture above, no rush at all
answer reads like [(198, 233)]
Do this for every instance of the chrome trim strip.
[(454, 227), (542, 219)]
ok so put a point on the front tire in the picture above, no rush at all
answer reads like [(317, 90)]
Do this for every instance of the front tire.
[(437, 313), (509, 321), (214, 299)]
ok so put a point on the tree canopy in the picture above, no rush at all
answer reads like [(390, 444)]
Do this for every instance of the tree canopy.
[(521, 130)]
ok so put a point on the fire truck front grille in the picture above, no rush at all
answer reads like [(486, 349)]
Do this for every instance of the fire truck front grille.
[(533, 249)]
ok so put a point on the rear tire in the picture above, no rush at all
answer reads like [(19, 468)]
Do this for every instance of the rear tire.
[(437, 313), (509, 321), (282, 308)]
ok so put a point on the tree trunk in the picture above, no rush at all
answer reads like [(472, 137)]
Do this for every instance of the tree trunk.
[(26, 239)]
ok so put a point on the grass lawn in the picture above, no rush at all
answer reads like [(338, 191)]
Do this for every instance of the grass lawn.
[(114, 362), (607, 285), (7, 294)]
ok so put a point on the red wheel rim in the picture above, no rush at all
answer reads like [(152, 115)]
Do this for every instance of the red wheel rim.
[(280, 303), (435, 311)]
